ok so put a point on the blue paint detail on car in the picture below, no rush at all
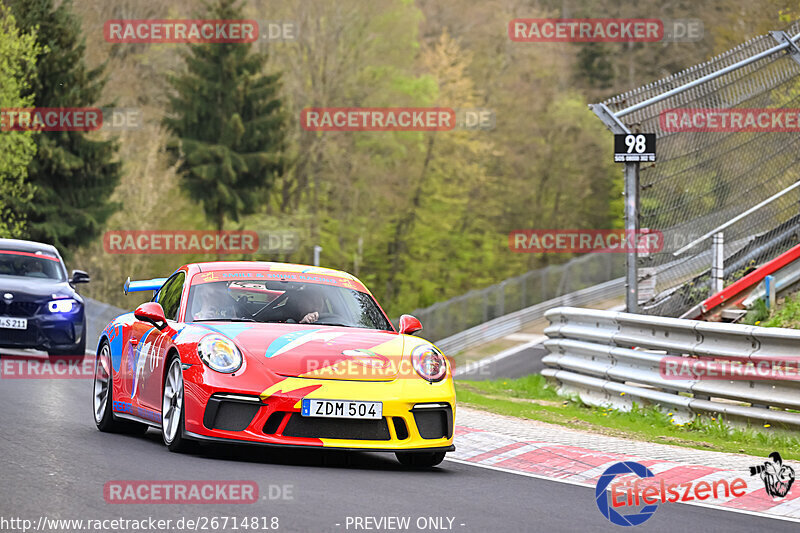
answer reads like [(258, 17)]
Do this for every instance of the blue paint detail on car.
[(229, 330), (283, 340)]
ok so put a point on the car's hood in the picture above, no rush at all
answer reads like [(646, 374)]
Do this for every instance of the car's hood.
[(307, 350), (28, 289)]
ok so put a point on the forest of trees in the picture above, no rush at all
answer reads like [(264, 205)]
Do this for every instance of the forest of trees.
[(419, 216)]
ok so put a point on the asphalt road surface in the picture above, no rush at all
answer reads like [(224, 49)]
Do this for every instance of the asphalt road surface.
[(55, 465)]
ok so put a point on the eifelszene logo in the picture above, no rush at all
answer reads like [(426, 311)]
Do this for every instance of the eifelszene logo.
[(630, 486)]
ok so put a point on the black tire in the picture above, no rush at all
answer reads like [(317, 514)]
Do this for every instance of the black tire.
[(176, 442), (420, 459), (103, 413)]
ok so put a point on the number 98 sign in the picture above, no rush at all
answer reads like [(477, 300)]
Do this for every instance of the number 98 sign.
[(630, 147)]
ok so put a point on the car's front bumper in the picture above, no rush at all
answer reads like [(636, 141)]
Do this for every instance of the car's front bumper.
[(417, 415), (47, 332)]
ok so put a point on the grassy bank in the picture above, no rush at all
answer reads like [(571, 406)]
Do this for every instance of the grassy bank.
[(785, 314), (532, 397)]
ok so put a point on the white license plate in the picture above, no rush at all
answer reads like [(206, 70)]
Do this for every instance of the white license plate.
[(13, 323), (341, 409)]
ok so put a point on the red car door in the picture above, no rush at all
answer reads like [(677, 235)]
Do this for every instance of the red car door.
[(152, 350)]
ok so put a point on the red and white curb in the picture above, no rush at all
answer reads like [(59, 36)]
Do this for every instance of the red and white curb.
[(582, 466)]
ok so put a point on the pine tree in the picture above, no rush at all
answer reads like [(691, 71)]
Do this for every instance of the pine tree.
[(74, 175), (228, 125)]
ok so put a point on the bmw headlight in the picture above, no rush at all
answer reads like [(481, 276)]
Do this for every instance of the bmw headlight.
[(219, 353), (63, 305), (429, 363)]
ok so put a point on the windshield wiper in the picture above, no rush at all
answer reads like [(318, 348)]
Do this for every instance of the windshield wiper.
[(332, 324), (225, 320)]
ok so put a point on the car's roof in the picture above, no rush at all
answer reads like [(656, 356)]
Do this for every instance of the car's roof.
[(18, 245), (267, 265)]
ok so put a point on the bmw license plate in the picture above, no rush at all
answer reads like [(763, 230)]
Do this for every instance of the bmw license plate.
[(341, 409), (8, 322)]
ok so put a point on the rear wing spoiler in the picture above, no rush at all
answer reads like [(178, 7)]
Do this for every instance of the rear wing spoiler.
[(143, 285)]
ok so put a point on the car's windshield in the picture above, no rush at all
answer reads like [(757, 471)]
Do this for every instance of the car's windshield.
[(286, 302), (30, 265)]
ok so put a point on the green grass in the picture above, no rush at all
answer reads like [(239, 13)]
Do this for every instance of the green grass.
[(786, 314), (532, 397), (757, 314)]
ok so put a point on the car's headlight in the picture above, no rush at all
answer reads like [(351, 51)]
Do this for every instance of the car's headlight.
[(429, 363), (219, 353), (64, 305)]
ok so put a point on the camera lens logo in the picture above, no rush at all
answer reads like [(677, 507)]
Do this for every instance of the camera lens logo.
[(601, 494), (777, 477)]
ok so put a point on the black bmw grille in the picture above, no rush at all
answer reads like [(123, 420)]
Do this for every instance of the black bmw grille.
[(18, 309), (336, 428), (23, 337)]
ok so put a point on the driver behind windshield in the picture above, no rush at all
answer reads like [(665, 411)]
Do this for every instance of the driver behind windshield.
[(306, 305), (212, 301), (34, 268)]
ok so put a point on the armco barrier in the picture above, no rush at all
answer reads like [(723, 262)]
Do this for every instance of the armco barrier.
[(512, 322), (612, 358)]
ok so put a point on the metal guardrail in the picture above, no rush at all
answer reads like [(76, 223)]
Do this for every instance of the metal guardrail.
[(512, 322), (612, 358)]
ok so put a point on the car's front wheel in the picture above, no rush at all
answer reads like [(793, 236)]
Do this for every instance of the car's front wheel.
[(172, 409), (103, 397), (420, 459)]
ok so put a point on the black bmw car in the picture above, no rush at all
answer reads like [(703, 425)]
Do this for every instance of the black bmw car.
[(39, 307)]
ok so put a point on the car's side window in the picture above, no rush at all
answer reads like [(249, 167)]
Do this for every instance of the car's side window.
[(169, 296)]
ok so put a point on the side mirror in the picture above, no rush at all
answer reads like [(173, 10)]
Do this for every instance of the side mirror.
[(79, 276), (153, 313), (409, 325)]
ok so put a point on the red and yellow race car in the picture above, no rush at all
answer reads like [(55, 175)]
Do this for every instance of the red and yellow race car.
[(274, 354)]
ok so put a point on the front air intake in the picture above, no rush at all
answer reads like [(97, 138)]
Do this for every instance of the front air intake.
[(336, 428), (231, 412)]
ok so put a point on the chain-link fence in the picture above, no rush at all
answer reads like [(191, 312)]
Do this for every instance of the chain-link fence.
[(444, 319), (704, 177)]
